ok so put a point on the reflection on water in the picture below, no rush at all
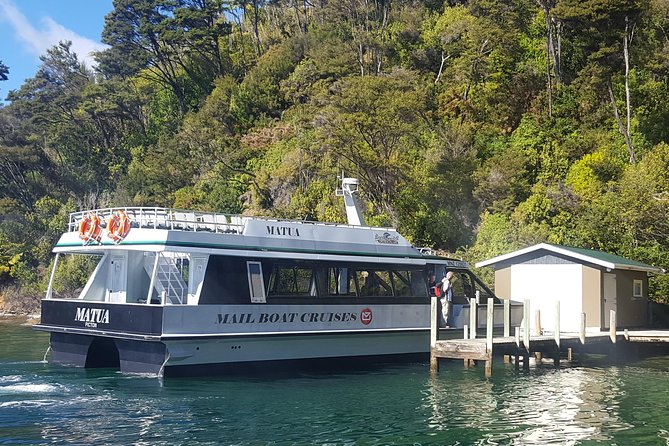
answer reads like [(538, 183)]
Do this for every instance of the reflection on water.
[(391, 405)]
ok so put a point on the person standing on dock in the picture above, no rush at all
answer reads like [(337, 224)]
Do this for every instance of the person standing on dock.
[(446, 297)]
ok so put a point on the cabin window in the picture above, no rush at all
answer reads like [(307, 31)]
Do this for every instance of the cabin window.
[(402, 282), (637, 288), (256, 285), (377, 283), (292, 281), (462, 288), (340, 282)]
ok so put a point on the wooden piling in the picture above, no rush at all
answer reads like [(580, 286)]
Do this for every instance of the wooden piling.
[(537, 332), (434, 334), (613, 335), (489, 326), (556, 327), (466, 336), (526, 324), (612, 326), (507, 324), (473, 315), (507, 318)]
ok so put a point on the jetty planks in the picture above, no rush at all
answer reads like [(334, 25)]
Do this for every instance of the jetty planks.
[(554, 345)]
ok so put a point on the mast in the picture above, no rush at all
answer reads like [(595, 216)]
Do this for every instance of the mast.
[(349, 190)]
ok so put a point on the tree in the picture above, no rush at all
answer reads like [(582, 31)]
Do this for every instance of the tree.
[(4, 71), (605, 30), (170, 42), (553, 49), (371, 123)]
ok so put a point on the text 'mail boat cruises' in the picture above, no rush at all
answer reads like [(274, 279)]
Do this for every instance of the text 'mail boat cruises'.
[(177, 292)]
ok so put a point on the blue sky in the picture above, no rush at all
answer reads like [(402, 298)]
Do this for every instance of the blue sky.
[(29, 27)]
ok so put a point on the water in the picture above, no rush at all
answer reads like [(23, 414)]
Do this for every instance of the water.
[(391, 405)]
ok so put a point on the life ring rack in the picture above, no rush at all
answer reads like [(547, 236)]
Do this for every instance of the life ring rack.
[(118, 226), (90, 228)]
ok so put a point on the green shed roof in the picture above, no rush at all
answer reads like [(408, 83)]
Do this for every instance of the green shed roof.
[(604, 259)]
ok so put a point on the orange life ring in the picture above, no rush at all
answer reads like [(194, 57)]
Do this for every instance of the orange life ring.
[(89, 228), (118, 226)]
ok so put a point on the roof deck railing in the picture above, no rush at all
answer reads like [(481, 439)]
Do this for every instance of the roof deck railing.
[(185, 220)]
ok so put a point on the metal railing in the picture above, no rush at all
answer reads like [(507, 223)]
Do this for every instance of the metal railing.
[(185, 220), (166, 218)]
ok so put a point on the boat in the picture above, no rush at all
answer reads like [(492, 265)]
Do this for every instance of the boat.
[(177, 292)]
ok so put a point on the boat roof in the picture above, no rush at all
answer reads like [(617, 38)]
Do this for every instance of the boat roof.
[(178, 230)]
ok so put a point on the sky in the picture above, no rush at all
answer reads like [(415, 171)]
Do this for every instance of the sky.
[(29, 27)]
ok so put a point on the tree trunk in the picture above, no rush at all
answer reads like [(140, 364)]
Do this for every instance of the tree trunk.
[(441, 66), (621, 126), (627, 39), (549, 52)]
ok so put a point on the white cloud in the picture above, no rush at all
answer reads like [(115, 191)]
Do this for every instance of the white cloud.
[(37, 41)]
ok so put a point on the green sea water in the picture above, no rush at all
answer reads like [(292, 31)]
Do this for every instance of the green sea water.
[(387, 405)]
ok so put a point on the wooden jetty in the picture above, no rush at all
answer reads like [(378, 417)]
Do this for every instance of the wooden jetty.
[(523, 344)]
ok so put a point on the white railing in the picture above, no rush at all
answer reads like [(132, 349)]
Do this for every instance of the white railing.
[(165, 218), (185, 220)]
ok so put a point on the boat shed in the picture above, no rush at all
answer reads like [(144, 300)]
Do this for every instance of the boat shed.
[(583, 280)]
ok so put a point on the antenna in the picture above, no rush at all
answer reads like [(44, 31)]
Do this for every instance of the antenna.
[(349, 188)]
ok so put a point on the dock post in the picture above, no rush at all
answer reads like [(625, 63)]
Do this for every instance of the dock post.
[(516, 358), (537, 331), (526, 334), (466, 336), (613, 334), (556, 358), (507, 324), (526, 324), (488, 343), (581, 333), (434, 334), (612, 326), (473, 315)]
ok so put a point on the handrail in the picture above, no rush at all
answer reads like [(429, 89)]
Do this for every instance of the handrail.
[(188, 220)]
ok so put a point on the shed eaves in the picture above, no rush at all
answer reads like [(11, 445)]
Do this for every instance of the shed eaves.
[(604, 259)]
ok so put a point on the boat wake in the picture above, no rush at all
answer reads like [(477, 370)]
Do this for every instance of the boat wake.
[(30, 388)]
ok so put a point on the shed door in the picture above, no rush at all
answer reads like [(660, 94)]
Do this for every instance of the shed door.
[(610, 297)]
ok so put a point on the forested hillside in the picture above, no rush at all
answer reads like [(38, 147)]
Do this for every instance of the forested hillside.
[(475, 127)]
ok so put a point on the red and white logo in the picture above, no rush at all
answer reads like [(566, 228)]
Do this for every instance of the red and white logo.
[(366, 316)]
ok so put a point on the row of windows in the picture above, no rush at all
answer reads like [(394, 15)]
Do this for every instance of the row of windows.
[(234, 280), (321, 280), (287, 280)]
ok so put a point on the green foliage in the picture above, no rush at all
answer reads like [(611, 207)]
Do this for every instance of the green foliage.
[(590, 176), (72, 273), (4, 71)]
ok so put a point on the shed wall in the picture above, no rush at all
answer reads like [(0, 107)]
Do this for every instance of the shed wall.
[(632, 311), (543, 285), (592, 296), (503, 283)]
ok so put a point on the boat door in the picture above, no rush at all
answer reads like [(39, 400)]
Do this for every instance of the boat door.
[(610, 297), (117, 282), (198, 266)]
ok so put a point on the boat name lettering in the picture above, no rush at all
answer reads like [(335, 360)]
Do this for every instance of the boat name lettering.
[(273, 318), (283, 231), (91, 317)]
